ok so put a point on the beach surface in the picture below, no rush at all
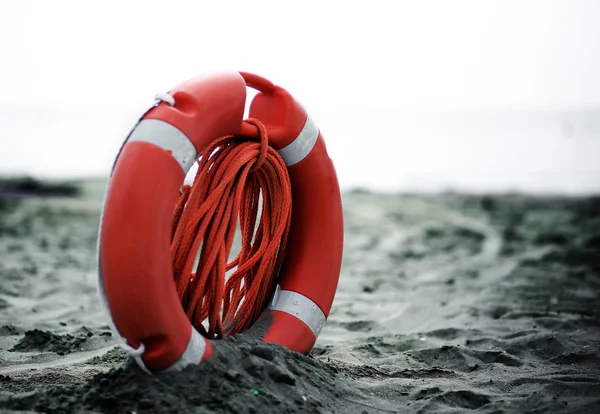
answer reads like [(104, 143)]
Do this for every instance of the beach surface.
[(446, 303)]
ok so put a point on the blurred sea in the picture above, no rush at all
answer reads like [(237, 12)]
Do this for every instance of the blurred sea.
[(532, 151)]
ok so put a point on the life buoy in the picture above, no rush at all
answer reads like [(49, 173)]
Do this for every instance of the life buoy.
[(135, 269)]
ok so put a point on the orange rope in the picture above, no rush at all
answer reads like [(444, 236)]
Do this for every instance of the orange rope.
[(232, 175)]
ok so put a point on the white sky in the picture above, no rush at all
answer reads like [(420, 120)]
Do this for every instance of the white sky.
[(74, 76)]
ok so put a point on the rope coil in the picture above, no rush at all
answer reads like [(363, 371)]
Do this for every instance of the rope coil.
[(233, 174)]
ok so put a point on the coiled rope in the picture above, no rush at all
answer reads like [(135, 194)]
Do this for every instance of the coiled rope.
[(233, 175)]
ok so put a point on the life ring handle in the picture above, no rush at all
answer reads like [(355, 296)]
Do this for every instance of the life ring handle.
[(284, 111), (258, 82)]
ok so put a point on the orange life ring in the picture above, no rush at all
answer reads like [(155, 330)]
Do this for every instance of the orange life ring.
[(135, 267)]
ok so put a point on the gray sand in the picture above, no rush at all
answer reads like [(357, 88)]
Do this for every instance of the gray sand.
[(446, 303)]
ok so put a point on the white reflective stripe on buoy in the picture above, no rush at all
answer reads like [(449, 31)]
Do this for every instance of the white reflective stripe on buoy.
[(167, 137), (300, 147), (193, 353), (299, 306)]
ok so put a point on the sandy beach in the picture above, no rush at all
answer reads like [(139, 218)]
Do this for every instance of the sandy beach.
[(446, 303)]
